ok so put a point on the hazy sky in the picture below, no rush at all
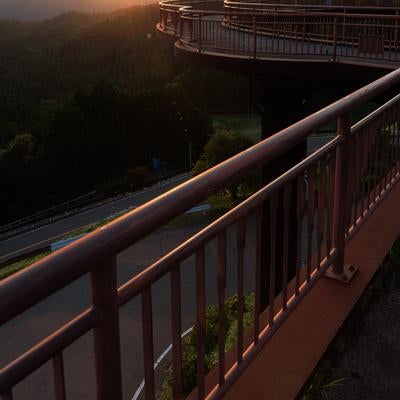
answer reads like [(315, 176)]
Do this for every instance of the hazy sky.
[(37, 9)]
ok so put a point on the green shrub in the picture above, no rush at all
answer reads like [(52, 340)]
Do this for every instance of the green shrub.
[(189, 351)]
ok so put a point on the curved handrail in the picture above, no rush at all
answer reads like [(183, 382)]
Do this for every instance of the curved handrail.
[(307, 7)]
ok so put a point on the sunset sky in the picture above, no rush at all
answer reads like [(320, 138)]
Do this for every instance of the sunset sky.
[(37, 9)]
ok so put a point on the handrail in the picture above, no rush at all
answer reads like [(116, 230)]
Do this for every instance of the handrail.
[(263, 4), (56, 271), (178, 4), (189, 10)]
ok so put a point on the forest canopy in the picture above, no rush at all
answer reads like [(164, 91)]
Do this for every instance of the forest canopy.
[(86, 98)]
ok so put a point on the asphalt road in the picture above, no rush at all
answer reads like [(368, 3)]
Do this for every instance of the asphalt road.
[(50, 233), (27, 329), (32, 326)]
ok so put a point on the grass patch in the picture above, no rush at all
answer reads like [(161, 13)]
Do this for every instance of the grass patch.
[(17, 266), (185, 219), (249, 125), (189, 353), (190, 219)]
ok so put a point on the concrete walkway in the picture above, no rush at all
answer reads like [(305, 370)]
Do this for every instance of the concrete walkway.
[(363, 362)]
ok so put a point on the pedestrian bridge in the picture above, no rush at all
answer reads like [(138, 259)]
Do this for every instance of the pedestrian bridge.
[(344, 218), (367, 36), (346, 212)]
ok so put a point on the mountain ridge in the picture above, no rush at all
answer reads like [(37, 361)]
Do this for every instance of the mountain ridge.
[(36, 10)]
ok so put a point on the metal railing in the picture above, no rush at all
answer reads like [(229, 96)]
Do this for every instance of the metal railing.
[(337, 188), (370, 6), (258, 30)]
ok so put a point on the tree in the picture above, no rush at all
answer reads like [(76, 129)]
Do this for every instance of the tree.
[(17, 175), (221, 146), (138, 177)]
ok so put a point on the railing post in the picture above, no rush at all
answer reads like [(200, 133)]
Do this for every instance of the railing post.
[(339, 201), (106, 333), (338, 270)]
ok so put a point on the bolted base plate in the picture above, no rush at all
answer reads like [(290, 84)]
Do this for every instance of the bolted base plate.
[(348, 274)]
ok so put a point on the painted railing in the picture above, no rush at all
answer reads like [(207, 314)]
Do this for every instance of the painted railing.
[(356, 6), (336, 190), (258, 30)]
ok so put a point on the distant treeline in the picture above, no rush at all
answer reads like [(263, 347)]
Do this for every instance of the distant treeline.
[(86, 100)]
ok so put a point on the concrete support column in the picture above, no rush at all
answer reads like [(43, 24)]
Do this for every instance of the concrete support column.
[(281, 104)]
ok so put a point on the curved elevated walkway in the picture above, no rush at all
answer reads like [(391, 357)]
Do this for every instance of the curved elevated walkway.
[(278, 36)]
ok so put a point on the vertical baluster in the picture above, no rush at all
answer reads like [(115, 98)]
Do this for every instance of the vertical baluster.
[(370, 165), (330, 194), (227, 38), (106, 333), (272, 271), (364, 169), (321, 210), (310, 218), (389, 127), (241, 243), (390, 147), (351, 182), (357, 153), (381, 158), (148, 347), (376, 161), (364, 172), (7, 395), (254, 37), (221, 305), (176, 324), (287, 194), (259, 236), (200, 33), (299, 216), (59, 377), (394, 142), (397, 141), (385, 152), (394, 146), (200, 321)]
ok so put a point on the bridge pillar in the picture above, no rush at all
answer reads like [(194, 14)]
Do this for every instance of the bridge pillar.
[(281, 104)]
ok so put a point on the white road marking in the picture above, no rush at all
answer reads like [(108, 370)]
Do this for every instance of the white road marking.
[(156, 364)]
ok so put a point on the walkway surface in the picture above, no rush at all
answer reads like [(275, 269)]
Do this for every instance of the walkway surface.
[(363, 362), (284, 365)]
